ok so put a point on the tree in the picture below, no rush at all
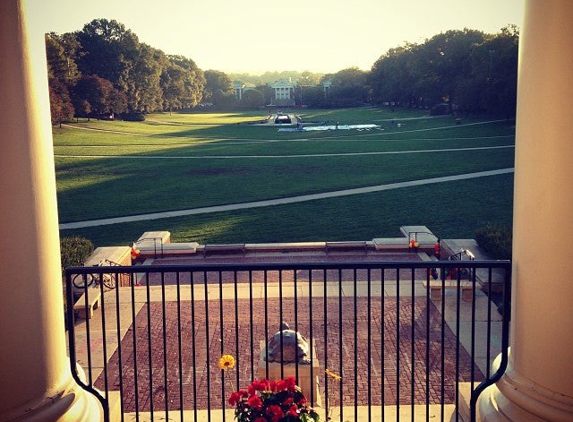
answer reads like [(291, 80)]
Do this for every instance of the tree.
[(144, 88), (193, 81), (252, 98), (307, 78), (224, 99), (313, 96), (468, 70), (442, 62), (99, 94), (500, 93), (216, 80), (61, 108), (60, 53), (108, 50), (173, 86), (391, 78), (349, 88)]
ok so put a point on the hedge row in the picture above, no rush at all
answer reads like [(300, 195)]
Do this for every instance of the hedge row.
[(496, 240)]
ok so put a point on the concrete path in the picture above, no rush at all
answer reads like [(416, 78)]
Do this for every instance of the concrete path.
[(280, 201)]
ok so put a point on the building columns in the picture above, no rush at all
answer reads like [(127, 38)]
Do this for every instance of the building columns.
[(36, 383), (538, 385)]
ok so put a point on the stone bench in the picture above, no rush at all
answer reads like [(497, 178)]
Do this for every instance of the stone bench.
[(87, 302), (149, 249), (285, 247), (347, 246), (436, 286), (230, 248), (111, 256), (453, 246), (390, 243)]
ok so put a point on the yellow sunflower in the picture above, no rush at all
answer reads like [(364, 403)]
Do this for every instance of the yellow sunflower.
[(226, 362), (333, 375)]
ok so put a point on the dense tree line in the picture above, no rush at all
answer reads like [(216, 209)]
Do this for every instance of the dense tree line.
[(466, 70), (104, 69)]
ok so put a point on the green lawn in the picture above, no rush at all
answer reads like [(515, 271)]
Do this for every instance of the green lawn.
[(180, 161)]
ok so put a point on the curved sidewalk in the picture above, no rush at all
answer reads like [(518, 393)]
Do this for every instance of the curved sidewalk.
[(279, 201)]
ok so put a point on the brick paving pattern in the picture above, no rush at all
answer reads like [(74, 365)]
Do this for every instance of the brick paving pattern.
[(169, 355)]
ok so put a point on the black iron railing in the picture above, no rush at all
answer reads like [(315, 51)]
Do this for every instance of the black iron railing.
[(401, 335)]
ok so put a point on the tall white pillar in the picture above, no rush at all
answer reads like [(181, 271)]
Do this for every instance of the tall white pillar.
[(539, 383), (35, 381)]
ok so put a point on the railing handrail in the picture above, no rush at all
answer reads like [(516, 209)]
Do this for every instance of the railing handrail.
[(319, 265)]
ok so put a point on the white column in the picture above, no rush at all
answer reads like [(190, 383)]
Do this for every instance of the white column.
[(35, 380), (539, 383)]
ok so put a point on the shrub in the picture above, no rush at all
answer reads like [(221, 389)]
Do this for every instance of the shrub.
[(133, 117), (74, 251), (496, 240)]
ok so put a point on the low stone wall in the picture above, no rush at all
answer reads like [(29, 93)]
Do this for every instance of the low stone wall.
[(110, 256)]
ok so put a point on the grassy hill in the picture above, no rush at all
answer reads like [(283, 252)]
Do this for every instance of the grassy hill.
[(189, 160)]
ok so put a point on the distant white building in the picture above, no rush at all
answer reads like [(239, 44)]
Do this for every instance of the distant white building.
[(283, 93), (239, 87), (326, 85)]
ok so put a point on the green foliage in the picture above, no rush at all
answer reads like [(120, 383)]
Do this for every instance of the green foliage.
[(61, 108), (133, 117), (106, 68), (74, 251), (473, 71), (252, 98), (349, 88), (98, 95), (495, 239), (214, 81)]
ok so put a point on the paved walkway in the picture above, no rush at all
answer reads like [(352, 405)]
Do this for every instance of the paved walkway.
[(281, 201)]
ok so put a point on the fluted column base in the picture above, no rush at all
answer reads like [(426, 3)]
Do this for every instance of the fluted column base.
[(515, 398), (69, 403)]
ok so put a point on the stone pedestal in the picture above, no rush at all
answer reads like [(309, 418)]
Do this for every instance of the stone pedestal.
[(305, 381), (108, 256)]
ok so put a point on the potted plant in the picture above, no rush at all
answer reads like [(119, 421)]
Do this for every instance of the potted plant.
[(272, 401)]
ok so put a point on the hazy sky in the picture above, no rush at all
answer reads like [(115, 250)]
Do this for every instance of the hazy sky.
[(259, 35)]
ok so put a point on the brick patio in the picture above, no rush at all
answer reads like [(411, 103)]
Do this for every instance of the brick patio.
[(173, 346)]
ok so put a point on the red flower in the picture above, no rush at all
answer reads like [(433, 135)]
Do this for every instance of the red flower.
[(293, 411), (258, 385), (290, 383), (255, 402), (280, 385), (237, 396), (234, 398), (275, 410), (266, 401)]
